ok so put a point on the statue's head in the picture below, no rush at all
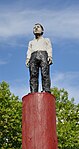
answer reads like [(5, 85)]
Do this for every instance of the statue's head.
[(38, 29)]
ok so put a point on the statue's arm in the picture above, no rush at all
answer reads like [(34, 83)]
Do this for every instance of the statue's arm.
[(49, 50), (29, 51)]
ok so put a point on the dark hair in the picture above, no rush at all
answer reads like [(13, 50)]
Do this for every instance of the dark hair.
[(41, 27)]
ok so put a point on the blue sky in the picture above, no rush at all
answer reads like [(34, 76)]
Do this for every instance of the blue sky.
[(60, 19)]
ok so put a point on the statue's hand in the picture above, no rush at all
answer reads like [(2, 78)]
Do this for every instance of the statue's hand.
[(27, 62), (49, 60)]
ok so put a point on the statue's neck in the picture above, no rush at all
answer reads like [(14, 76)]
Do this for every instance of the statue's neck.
[(37, 36)]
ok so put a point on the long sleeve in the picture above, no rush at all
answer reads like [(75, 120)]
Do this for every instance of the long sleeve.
[(49, 47), (29, 51)]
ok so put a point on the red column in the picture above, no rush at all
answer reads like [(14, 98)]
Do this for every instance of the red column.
[(39, 121)]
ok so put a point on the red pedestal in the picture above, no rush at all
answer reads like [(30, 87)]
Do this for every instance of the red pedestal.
[(39, 121)]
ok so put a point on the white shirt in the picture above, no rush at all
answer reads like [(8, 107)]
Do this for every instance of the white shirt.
[(41, 44)]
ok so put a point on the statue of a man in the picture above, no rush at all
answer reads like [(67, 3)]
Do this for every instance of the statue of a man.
[(39, 55)]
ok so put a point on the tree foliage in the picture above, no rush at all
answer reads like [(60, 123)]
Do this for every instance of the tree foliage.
[(11, 117), (67, 120)]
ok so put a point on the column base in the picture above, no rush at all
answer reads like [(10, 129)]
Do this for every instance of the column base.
[(39, 121)]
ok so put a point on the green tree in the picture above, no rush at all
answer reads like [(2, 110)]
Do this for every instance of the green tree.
[(67, 120), (10, 119)]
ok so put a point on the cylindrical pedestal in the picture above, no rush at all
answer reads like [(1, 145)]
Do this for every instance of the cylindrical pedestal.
[(39, 121)]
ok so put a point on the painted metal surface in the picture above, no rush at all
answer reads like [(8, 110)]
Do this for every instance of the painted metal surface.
[(39, 121)]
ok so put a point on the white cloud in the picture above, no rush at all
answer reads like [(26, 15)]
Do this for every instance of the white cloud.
[(62, 24), (19, 91), (69, 81), (2, 62)]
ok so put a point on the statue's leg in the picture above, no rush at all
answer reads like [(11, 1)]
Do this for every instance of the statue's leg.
[(45, 74), (34, 73)]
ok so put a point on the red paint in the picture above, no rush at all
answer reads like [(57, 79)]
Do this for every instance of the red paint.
[(39, 121)]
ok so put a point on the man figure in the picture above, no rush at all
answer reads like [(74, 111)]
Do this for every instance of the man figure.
[(39, 55)]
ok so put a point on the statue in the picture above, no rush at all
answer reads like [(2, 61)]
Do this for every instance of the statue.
[(39, 55)]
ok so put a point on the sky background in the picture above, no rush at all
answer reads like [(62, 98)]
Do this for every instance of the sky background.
[(60, 19)]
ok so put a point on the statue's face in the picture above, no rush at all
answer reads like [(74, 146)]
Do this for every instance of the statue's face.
[(37, 29)]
